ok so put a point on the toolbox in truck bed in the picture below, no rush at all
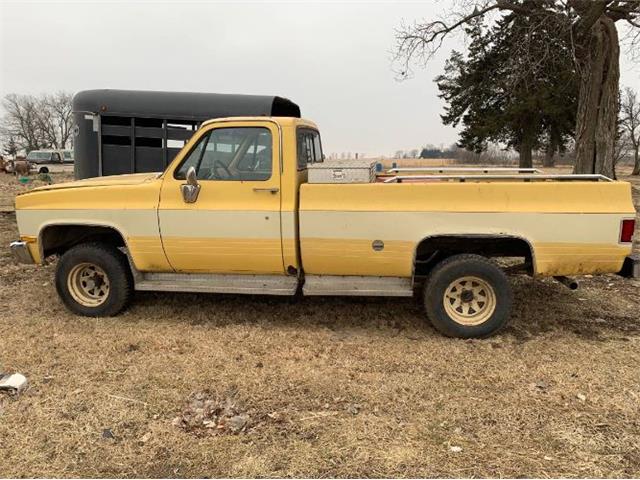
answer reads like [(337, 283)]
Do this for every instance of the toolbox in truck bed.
[(343, 171)]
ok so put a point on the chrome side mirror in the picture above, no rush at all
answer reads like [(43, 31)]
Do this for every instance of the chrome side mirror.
[(191, 189)]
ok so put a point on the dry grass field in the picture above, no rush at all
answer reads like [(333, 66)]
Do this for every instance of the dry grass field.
[(346, 387)]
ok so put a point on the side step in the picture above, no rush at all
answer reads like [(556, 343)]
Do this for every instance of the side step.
[(357, 286), (217, 283)]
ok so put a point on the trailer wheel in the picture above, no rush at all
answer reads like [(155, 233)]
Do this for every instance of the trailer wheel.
[(94, 280), (467, 296)]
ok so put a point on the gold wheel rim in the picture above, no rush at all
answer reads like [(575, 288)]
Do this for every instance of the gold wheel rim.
[(88, 284), (469, 301)]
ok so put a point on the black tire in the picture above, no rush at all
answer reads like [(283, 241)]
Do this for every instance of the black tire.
[(105, 258), (43, 170), (492, 286)]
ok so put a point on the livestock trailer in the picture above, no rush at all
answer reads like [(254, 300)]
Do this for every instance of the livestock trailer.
[(133, 131)]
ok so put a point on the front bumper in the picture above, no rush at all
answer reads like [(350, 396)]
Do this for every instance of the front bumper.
[(631, 267), (21, 252)]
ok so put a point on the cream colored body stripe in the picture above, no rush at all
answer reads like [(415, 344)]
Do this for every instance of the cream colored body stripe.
[(144, 223), (414, 226), (132, 223), (220, 224)]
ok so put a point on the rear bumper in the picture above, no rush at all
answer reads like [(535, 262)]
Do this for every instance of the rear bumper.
[(21, 252), (631, 267)]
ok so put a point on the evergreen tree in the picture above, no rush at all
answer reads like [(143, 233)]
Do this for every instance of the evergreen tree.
[(498, 99), (588, 27), (11, 148)]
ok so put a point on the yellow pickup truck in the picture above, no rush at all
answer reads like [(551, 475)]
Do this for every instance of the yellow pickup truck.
[(238, 211)]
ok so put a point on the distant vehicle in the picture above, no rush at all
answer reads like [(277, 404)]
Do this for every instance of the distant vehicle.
[(50, 156), (44, 159)]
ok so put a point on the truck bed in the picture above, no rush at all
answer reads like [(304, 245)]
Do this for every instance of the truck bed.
[(572, 227)]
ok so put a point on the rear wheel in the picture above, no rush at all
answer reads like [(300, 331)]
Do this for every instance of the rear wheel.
[(94, 280), (467, 296)]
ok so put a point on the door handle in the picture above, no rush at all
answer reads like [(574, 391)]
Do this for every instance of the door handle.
[(270, 190)]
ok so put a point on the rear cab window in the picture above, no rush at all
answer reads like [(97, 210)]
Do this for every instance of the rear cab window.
[(309, 147)]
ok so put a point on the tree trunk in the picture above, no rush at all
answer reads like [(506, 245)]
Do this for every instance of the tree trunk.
[(598, 62), (526, 158), (549, 159), (636, 160), (527, 140)]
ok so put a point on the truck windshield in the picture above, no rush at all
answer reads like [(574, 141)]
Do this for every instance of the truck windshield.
[(309, 147), (39, 156)]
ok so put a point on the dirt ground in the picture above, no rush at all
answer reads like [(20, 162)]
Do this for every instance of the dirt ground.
[(10, 186), (346, 387)]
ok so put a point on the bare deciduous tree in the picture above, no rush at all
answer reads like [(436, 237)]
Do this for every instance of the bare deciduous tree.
[(57, 116), (621, 148), (590, 26), (20, 121), (630, 124), (37, 122)]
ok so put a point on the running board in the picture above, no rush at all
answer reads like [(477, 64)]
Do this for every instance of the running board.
[(357, 286), (217, 283)]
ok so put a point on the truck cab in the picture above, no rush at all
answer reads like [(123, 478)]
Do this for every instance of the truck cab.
[(244, 197)]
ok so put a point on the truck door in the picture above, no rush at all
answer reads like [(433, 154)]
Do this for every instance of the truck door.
[(233, 225)]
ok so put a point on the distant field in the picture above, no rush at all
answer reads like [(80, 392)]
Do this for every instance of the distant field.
[(418, 162)]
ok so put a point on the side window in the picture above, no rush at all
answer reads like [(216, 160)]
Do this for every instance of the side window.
[(305, 154), (309, 147), (55, 157), (237, 153)]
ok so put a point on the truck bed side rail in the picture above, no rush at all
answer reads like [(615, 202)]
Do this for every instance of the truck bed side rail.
[(525, 178), (464, 170)]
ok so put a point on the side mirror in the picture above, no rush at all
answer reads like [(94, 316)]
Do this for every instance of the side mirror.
[(191, 189), (192, 178)]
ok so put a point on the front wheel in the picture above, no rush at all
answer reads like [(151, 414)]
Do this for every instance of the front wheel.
[(467, 296), (94, 280)]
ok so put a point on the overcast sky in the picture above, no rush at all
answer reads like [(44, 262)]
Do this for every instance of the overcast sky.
[(332, 58)]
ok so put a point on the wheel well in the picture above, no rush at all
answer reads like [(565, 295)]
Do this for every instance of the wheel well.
[(432, 250), (57, 239)]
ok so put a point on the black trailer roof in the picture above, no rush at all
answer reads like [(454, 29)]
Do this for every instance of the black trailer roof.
[(181, 105)]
